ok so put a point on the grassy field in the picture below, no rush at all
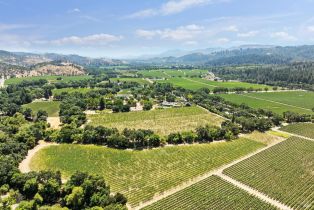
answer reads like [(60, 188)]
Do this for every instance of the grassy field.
[(255, 101), (51, 107), (51, 79), (303, 129), (162, 121), (138, 80), (142, 174), (284, 172), (211, 193), (72, 90)]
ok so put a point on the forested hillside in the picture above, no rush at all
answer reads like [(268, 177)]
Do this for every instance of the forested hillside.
[(297, 75)]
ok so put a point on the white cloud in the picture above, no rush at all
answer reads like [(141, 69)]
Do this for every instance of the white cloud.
[(232, 28), (7, 27), (143, 13), (190, 43), (180, 33), (222, 40), (310, 28), (75, 10), (282, 35), (248, 34), (96, 39), (173, 7), (177, 6)]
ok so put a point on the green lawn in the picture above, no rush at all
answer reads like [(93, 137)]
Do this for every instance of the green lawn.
[(51, 79), (284, 172), (210, 193), (72, 90), (162, 121), (277, 102), (51, 107), (142, 174)]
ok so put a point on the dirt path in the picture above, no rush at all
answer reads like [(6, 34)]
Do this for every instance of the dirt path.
[(276, 102), (200, 178), (24, 166), (54, 122), (254, 192), (213, 113), (293, 134), (199, 82), (149, 80)]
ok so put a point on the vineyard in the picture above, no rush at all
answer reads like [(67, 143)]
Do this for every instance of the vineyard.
[(142, 174), (162, 121), (303, 129), (283, 172), (210, 193), (260, 103)]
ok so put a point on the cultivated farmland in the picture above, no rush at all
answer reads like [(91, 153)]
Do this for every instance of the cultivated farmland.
[(142, 174), (141, 81), (51, 107), (210, 193), (163, 121), (283, 172), (303, 129), (260, 103), (51, 79)]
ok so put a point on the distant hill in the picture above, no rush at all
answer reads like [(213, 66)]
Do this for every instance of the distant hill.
[(30, 59), (249, 54)]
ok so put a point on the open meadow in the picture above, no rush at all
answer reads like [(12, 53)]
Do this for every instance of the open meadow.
[(51, 79), (51, 107), (280, 101), (162, 121), (283, 172), (303, 129), (210, 193), (142, 174)]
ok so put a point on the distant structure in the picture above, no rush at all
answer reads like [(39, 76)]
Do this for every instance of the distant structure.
[(211, 77)]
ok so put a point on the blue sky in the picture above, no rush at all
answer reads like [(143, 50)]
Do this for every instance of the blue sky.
[(123, 28)]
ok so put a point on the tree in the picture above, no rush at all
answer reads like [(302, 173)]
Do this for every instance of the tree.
[(28, 114), (148, 105), (76, 199), (41, 116), (102, 104)]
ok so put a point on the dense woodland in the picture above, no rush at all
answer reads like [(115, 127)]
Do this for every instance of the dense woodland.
[(295, 75)]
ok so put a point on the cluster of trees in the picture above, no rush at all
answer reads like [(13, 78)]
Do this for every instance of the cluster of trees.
[(44, 188), (239, 89), (138, 139)]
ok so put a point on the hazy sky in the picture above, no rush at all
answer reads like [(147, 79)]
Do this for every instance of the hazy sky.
[(120, 28)]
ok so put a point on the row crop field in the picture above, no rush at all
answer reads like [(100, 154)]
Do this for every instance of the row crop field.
[(51, 107), (162, 121), (283, 172), (172, 73), (210, 193), (303, 129), (140, 175), (198, 83), (256, 100), (51, 79)]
